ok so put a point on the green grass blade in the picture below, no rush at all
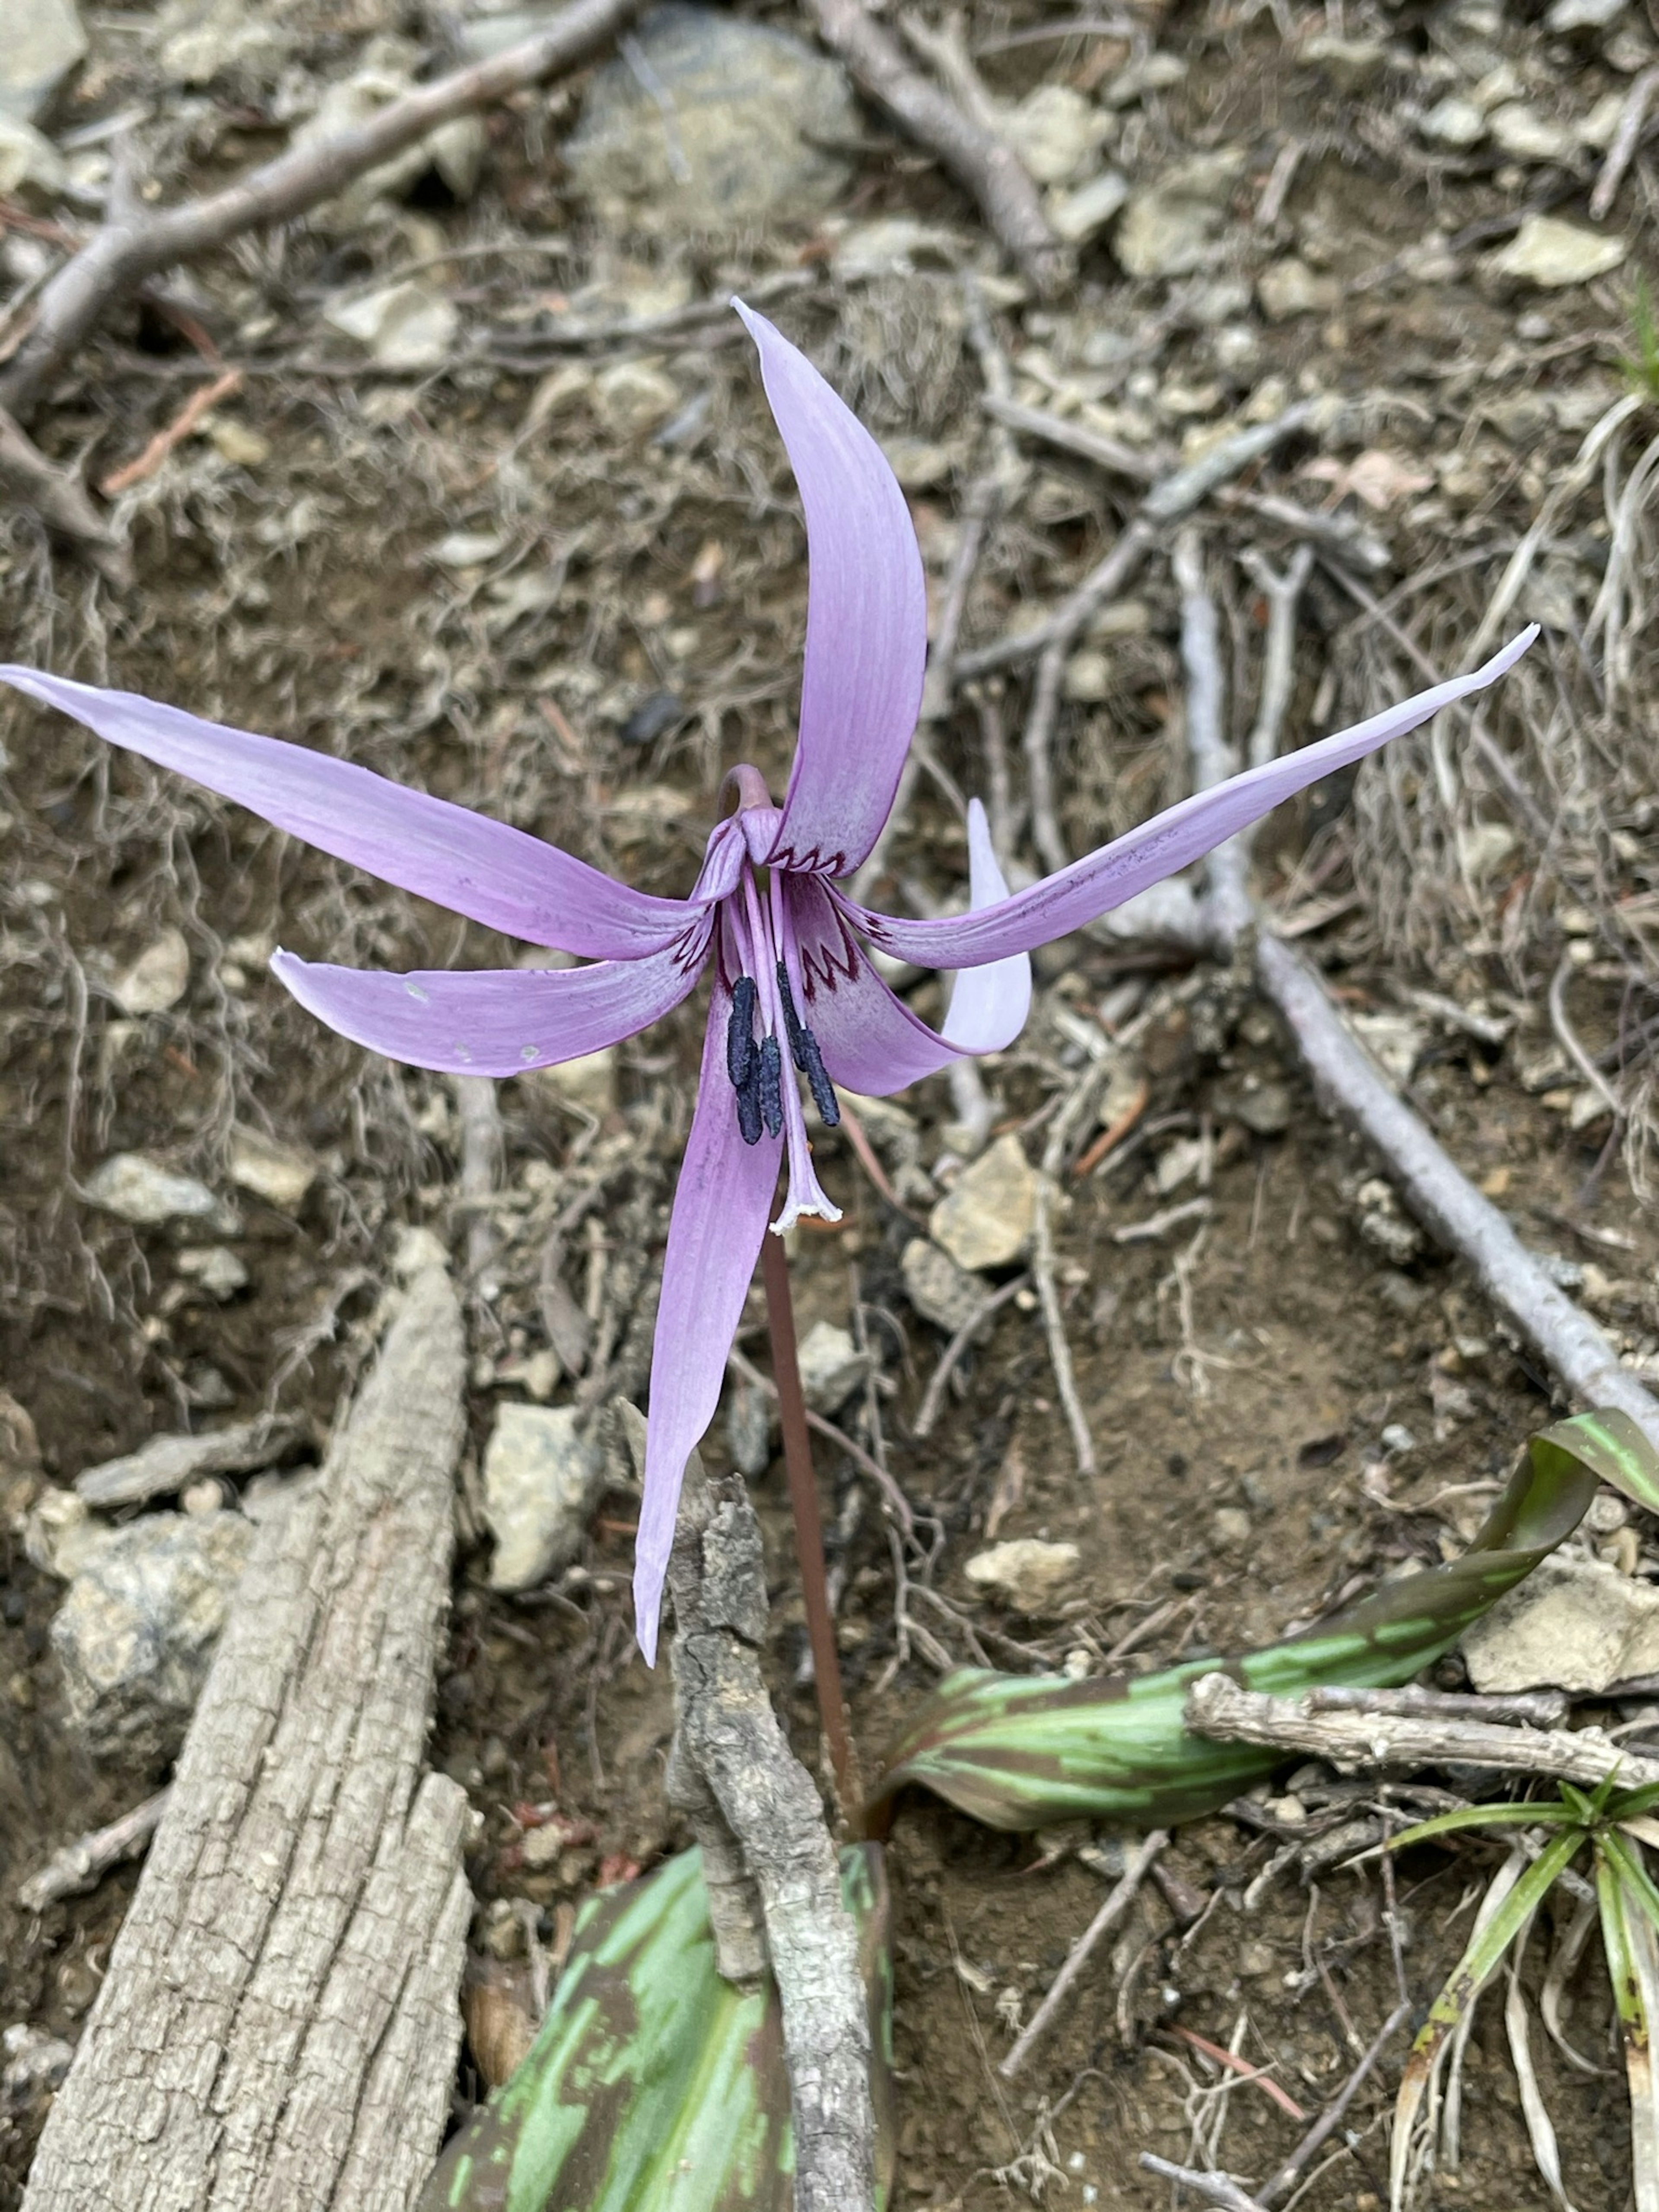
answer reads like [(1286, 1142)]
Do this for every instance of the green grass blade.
[(1632, 1953), (1640, 1887), (653, 2086), (1026, 1752), (1481, 1816)]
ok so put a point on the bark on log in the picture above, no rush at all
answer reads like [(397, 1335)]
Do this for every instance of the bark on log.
[(278, 2026)]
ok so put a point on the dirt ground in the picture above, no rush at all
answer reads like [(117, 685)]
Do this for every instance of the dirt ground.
[(301, 574)]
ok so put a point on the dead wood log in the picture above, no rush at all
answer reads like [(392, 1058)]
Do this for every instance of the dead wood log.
[(278, 2026)]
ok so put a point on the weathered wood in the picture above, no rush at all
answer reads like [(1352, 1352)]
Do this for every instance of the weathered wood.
[(278, 2027)]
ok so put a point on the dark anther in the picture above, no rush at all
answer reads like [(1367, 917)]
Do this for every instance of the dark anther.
[(748, 1105), (804, 1048), (771, 1086), (740, 1034)]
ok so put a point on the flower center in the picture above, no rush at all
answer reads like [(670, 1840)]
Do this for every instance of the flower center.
[(767, 998)]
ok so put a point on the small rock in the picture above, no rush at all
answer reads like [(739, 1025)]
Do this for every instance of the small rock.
[(34, 2063), (1395, 1042), (587, 1084), (540, 1480), (456, 149), (1454, 122), (1264, 1109), (135, 1636), (631, 397), (1026, 1574), (938, 1290), (43, 40), (197, 40), (279, 1174), (1350, 63), (403, 327), (1257, 1961), (60, 1535), (157, 979), (1168, 229), (709, 124), (234, 442), (416, 1249), (1599, 127), (1077, 216), (1571, 1624), (749, 1429), (831, 1366), (1550, 254), (1398, 1240), (214, 1267), (1526, 136), (1583, 15), (987, 1217), (655, 716), (31, 167), (1088, 677), (1152, 73), (1055, 132), (467, 549), (1289, 288), (1178, 1162), (141, 1190), (1232, 1526), (1398, 1440)]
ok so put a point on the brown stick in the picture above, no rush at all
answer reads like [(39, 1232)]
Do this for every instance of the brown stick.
[(145, 464), (979, 160), (809, 1526), (137, 244)]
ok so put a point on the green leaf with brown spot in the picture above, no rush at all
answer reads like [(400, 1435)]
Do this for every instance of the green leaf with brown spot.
[(1019, 1751), (654, 2085)]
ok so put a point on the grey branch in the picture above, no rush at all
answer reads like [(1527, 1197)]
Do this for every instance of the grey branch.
[(171, 1463), (1118, 1902), (982, 163), (1429, 1181), (137, 243), (278, 2024), (60, 499), (82, 1864), (727, 1734), (1218, 1707), (1215, 2188)]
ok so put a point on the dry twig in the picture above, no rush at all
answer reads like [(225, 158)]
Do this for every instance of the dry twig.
[(1626, 140), (60, 501), (1119, 1900), (82, 1864), (200, 403)]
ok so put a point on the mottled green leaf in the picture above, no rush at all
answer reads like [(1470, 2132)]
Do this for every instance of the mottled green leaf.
[(1633, 1951), (653, 2086), (1020, 1751)]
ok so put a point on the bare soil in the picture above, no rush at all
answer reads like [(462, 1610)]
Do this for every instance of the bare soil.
[(1238, 1373)]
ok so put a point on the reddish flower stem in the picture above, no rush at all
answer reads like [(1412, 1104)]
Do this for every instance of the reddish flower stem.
[(809, 1530)]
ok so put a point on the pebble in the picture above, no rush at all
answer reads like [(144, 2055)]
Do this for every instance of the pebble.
[(1526, 136), (1572, 1624), (1264, 1109), (31, 167), (214, 1267), (1583, 15), (831, 1366), (135, 1636), (1055, 131), (1288, 288), (1232, 1526), (940, 1291), (588, 1083), (1350, 63), (409, 325), (1078, 215), (1395, 1042), (1398, 1440), (1168, 229), (33, 2063), (157, 979), (749, 1429), (1454, 122), (279, 1174), (631, 397), (43, 40), (197, 40), (541, 1478), (986, 1218), (709, 124), (1550, 254), (456, 149), (141, 1190), (1088, 679), (1026, 1573), (60, 1535)]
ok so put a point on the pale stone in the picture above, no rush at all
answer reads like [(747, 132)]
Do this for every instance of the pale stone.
[(279, 1174), (1077, 216), (214, 1267), (1454, 122), (31, 167), (157, 979), (1395, 1042), (43, 42), (1571, 1624), (1526, 136), (234, 442), (1027, 1574), (1350, 63), (404, 327), (141, 1190), (986, 1218), (1583, 15), (587, 1084), (1168, 229), (541, 1481), (60, 1535), (831, 1366), (940, 1291), (1550, 254), (711, 124), (135, 1636), (1088, 677), (632, 398), (197, 40), (1054, 131), (456, 149), (1288, 288)]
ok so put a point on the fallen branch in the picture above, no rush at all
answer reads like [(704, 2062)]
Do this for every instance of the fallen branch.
[(1121, 1897), (82, 1864), (278, 2024), (984, 164), (172, 1463), (200, 403), (27, 477), (1429, 1181), (733, 1764), (1325, 2126), (1219, 2189), (1218, 1707), (139, 242)]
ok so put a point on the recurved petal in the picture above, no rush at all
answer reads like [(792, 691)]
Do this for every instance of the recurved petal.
[(492, 873), (866, 619), (870, 1041), (720, 1209), (1171, 840), (989, 1005), (494, 1021)]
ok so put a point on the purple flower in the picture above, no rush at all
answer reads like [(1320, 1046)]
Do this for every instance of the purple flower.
[(792, 991)]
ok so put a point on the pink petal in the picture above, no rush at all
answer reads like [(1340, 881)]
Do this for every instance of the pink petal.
[(494, 1021), (493, 874), (720, 1206), (1171, 840), (870, 1041), (867, 619)]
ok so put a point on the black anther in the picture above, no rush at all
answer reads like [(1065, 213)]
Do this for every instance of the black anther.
[(740, 1033), (771, 1086)]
